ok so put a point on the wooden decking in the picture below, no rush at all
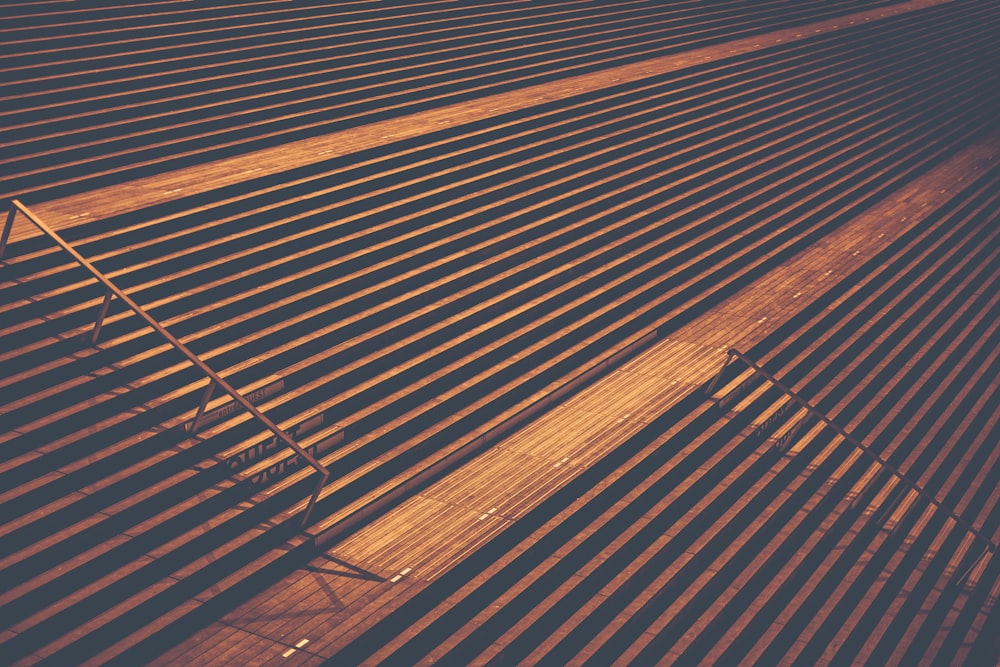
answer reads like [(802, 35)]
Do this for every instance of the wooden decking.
[(409, 294), (382, 588)]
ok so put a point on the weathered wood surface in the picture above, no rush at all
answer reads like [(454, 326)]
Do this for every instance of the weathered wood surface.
[(114, 552), (395, 558)]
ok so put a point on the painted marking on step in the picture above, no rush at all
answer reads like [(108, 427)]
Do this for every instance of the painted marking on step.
[(762, 320), (402, 573), (273, 386), (797, 295), (290, 651), (486, 515), (565, 459)]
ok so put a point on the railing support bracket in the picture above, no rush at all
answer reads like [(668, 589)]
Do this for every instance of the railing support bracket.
[(718, 377), (205, 398), (101, 314), (8, 225), (961, 581)]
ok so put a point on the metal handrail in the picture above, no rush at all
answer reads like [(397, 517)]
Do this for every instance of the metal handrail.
[(812, 410), (214, 378)]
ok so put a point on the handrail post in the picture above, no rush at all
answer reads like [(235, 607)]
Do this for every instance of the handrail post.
[(965, 575), (325, 475), (205, 398), (8, 225), (99, 322), (784, 445), (718, 376)]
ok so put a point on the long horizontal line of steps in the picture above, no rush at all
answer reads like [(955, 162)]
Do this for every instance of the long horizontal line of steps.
[(91, 109)]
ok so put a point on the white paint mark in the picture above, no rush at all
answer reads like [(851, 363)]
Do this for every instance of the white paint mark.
[(396, 578), (797, 295), (302, 643), (492, 510), (483, 516), (288, 653), (855, 253), (762, 320)]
